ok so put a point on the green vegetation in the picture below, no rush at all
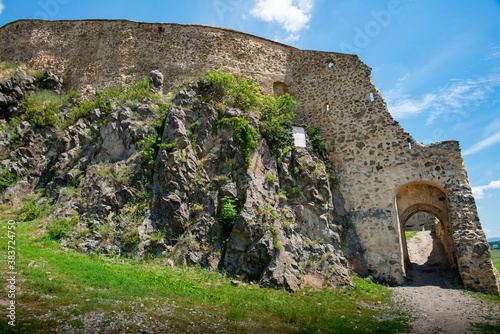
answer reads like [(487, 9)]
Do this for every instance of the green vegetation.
[(59, 228), (228, 213), (120, 173), (276, 240), (157, 236), (277, 116), (246, 135), (8, 69), (106, 100), (7, 179), (59, 286), (32, 210), (43, 108), (332, 177), (487, 328), (223, 88), (495, 253), (152, 142), (410, 234), (268, 212), (79, 284), (318, 143), (269, 178)]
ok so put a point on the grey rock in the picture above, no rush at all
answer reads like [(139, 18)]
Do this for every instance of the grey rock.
[(156, 79), (51, 82), (125, 114), (22, 128)]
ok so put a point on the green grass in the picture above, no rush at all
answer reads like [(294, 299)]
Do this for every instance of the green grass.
[(6, 179), (486, 328), (495, 257), (90, 283), (410, 234), (8, 69)]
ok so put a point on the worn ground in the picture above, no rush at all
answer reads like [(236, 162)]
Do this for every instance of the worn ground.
[(434, 297)]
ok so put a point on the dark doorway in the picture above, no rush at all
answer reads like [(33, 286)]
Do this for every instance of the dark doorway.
[(427, 262)]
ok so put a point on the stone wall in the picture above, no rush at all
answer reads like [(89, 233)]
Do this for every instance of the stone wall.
[(421, 221), (384, 174)]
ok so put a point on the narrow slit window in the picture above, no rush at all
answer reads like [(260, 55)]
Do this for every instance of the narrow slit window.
[(327, 106), (372, 97), (330, 64)]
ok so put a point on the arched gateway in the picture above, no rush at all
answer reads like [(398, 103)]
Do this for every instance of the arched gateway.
[(426, 197), (458, 230)]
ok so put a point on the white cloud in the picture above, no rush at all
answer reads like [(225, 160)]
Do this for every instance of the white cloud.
[(479, 190), (456, 97), (493, 127), (287, 40), (401, 106), (293, 15), (1, 7), (495, 52), (495, 55), (485, 143)]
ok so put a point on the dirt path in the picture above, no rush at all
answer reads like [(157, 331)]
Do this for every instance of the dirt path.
[(433, 296)]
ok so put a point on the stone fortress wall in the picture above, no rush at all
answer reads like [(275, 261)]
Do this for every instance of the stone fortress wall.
[(385, 175)]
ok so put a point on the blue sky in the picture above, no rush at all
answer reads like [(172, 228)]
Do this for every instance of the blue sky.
[(436, 63)]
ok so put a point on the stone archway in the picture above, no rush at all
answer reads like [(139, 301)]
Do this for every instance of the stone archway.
[(417, 197)]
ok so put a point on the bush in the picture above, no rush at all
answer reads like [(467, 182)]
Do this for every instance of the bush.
[(59, 228), (269, 178), (31, 210), (105, 100), (276, 240), (247, 136), (318, 143), (220, 87), (277, 116), (152, 143), (131, 236), (139, 91), (7, 179), (228, 213), (41, 109), (7, 69)]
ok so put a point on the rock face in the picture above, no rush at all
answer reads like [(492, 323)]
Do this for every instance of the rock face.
[(286, 231), (384, 173), (277, 240)]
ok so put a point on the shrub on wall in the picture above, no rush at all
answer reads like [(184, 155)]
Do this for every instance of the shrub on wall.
[(220, 87), (228, 213)]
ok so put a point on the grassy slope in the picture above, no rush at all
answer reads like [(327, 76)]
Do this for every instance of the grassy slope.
[(495, 256), (495, 253), (53, 280)]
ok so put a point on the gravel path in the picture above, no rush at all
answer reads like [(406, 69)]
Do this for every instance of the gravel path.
[(433, 296)]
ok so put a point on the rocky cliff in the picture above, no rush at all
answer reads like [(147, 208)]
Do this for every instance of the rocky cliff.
[(206, 175)]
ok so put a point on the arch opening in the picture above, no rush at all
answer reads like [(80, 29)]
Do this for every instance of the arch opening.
[(280, 88), (426, 237)]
